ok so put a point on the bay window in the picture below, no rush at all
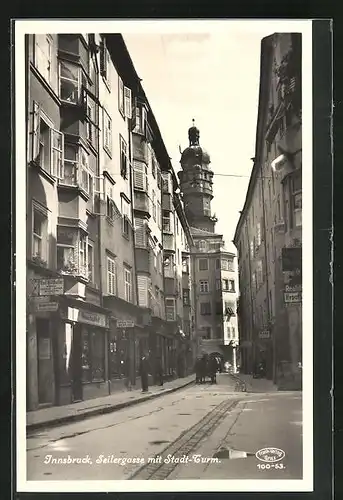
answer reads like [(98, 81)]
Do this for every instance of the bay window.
[(75, 170), (166, 181), (72, 79), (166, 222), (140, 233), (185, 297), (185, 265), (170, 309), (142, 287), (91, 120), (90, 263), (169, 264), (141, 118), (72, 251)]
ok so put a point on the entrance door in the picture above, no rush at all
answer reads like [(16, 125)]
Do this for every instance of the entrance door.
[(77, 393), (45, 362)]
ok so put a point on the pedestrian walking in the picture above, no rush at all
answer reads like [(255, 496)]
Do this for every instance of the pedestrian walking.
[(144, 372), (212, 368), (127, 368)]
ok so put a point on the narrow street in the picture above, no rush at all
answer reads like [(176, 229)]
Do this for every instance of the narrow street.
[(205, 426)]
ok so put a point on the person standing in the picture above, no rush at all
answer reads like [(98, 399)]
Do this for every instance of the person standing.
[(144, 372)]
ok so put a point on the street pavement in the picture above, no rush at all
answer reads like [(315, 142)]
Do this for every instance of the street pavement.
[(223, 427)]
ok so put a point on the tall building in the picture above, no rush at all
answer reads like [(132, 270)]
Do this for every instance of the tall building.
[(98, 289), (214, 272), (269, 232)]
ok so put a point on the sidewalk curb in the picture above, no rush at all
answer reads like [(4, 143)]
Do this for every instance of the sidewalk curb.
[(102, 410)]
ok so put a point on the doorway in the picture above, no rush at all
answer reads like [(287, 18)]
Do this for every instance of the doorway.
[(76, 354), (45, 362)]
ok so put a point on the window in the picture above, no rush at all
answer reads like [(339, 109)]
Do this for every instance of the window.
[(140, 176), (218, 284), (169, 264), (224, 265), (123, 158), (104, 61), (204, 286), (46, 143), (229, 310), (111, 276), (252, 250), (185, 297), (39, 233), (128, 286), (140, 233), (159, 217), (205, 308), (91, 126), (107, 133), (72, 79), (121, 96), (142, 288), (141, 117), (185, 265), (207, 332), (93, 355), (72, 252), (153, 167), (159, 178), (166, 222), (296, 184), (217, 263), (258, 235), (43, 55), (202, 245), (259, 273), (231, 285), (170, 309), (127, 102), (154, 205), (233, 332), (83, 255), (166, 182), (90, 263), (225, 285), (125, 211), (203, 264)]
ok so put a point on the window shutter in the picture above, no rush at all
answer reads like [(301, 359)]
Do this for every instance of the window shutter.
[(103, 60), (142, 286), (133, 113), (128, 102), (138, 175), (34, 131), (56, 153), (140, 232)]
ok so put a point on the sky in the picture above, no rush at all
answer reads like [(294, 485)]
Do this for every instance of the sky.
[(214, 78)]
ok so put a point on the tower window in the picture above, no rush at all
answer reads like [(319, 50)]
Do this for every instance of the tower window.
[(203, 264)]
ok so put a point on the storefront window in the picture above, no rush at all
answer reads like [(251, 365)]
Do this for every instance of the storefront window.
[(93, 356)]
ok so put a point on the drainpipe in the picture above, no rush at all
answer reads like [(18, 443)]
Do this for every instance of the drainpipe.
[(132, 335), (267, 279), (250, 286)]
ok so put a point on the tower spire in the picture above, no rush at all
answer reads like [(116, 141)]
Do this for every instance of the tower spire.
[(193, 134)]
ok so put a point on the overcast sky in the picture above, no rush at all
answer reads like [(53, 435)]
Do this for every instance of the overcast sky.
[(213, 78)]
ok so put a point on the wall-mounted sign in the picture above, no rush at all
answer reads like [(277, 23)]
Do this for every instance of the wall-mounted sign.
[(54, 286), (125, 323), (293, 288), (44, 348), (46, 306), (292, 297), (264, 334), (92, 318)]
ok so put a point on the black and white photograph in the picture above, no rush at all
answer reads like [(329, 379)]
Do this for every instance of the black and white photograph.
[(161, 289)]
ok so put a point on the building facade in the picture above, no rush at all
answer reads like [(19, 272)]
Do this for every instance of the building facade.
[(214, 272), (268, 234), (98, 294)]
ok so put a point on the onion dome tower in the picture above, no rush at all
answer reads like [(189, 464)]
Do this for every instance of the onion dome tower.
[(196, 183)]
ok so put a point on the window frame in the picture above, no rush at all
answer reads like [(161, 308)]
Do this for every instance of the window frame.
[(203, 260), (172, 305), (81, 78), (49, 39), (111, 260), (205, 309), (128, 284), (44, 241), (123, 158), (204, 286), (107, 132)]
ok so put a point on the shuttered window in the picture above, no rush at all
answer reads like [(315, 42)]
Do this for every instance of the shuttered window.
[(140, 179), (142, 286), (140, 233), (111, 276)]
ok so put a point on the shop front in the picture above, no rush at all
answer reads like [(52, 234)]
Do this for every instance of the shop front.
[(82, 353)]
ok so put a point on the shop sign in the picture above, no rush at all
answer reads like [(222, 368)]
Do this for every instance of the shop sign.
[(293, 288), (44, 348), (51, 286), (126, 323), (91, 318), (46, 306), (293, 297), (264, 334)]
